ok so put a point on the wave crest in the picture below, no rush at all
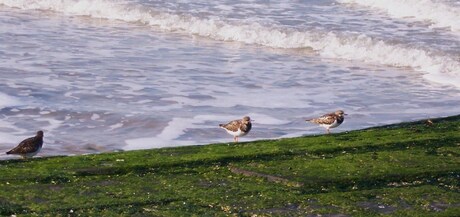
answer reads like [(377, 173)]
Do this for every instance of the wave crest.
[(439, 14), (439, 68)]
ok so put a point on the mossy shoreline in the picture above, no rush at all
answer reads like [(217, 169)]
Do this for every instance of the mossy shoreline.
[(407, 169)]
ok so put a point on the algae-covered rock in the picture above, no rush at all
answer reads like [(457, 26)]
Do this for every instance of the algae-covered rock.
[(407, 169)]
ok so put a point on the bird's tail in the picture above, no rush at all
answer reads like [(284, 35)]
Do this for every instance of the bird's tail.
[(313, 120), (8, 152)]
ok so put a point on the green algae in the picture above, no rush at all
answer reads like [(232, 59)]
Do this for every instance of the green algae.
[(408, 169)]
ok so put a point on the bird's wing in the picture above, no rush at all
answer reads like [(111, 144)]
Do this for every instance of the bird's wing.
[(325, 119), (26, 146), (232, 125)]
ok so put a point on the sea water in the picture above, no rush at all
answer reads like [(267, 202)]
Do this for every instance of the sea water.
[(106, 75)]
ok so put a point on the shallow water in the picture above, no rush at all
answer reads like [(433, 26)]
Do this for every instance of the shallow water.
[(166, 74)]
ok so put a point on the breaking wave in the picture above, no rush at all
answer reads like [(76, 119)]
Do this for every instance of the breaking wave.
[(438, 13), (436, 66)]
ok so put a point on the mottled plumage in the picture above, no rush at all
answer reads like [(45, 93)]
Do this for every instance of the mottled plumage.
[(330, 120), (29, 147), (237, 128)]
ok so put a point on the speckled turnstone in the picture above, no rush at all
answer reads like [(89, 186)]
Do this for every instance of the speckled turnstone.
[(429, 123), (237, 128), (29, 147), (330, 120)]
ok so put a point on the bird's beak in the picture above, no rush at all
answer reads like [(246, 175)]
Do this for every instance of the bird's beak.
[(345, 114)]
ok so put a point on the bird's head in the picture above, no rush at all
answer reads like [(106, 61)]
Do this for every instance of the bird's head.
[(340, 113), (246, 119), (40, 133)]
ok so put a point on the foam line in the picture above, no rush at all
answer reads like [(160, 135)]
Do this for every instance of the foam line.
[(6, 101), (438, 13), (435, 65)]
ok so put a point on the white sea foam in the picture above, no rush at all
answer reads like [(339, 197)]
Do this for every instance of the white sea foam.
[(116, 126), (170, 136), (95, 117), (176, 127), (8, 140), (437, 67), (171, 133), (12, 137), (436, 12), (6, 100), (52, 125)]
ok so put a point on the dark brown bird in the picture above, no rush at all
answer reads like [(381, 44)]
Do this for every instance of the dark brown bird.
[(29, 147), (330, 120), (237, 128)]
